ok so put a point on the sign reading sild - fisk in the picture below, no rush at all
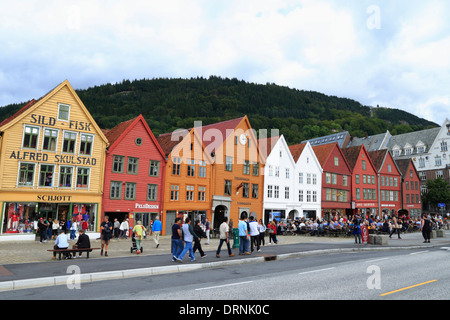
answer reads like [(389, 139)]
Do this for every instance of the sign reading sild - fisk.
[(51, 161)]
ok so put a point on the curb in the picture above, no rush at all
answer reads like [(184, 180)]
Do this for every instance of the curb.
[(73, 279)]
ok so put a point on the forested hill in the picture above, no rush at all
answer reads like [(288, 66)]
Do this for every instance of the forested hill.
[(168, 104)]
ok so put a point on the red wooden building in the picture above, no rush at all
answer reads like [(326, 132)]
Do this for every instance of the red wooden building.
[(389, 182), (134, 173), (411, 193), (364, 181), (336, 181)]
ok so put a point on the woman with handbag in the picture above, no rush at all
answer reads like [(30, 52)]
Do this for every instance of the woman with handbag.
[(272, 232)]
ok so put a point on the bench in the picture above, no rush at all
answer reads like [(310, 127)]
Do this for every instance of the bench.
[(72, 251)]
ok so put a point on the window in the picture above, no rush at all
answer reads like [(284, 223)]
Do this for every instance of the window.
[(70, 139), (287, 173), (277, 171), (118, 164), (334, 178), (270, 171), (202, 169), (130, 191), (174, 192), (65, 177), (245, 190), (152, 192), (256, 169), (138, 141), (439, 174), (26, 174), (191, 168), (314, 196), (63, 112), (397, 152), (227, 191), (277, 192), (189, 193), (308, 178), (300, 177), (46, 175), (357, 178), (201, 193), (255, 189), (314, 179), (269, 191), (437, 161), (421, 149), (300, 195), (30, 137), (328, 178), (176, 166), (154, 168), (421, 163), (336, 161), (286, 192), (83, 177), (86, 144), (358, 194), (408, 151), (116, 190), (246, 167), (364, 164), (228, 163), (132, 167), (50, 139), (344, 180), (365, 179), (444, 147), (308, 196)]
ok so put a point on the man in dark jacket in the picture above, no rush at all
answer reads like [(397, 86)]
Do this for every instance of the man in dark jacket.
[(200, 234), (82, 243)]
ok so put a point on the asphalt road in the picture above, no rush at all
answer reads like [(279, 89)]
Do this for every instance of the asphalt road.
[(421, 274)]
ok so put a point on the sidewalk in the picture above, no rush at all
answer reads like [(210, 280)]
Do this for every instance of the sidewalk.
[(29, 264)]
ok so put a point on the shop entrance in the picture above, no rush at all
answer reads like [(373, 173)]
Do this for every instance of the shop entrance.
[(219, 213)]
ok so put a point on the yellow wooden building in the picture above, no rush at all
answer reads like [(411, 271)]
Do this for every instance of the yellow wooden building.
[(52, 156)]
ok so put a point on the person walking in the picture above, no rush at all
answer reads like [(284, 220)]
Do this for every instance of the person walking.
[(124, 227), (116, 228), (188, 236), (177, 239), (272, 232), (426, 228), (207, 230), (262, 232), (243, 235), (224, 231), (139, 230), (197, 242), (254, 234), (396, 227), (106, 228), (156, 230)]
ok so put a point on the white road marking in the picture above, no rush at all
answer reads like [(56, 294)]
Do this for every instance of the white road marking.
[(376, 260), (225, 285), (420, 252), (313, 271)]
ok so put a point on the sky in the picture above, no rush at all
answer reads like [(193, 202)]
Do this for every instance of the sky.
[(394, 54)]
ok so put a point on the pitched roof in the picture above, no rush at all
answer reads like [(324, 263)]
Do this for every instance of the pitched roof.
[(412, 138), (296, 150), (323, 152), (351, 155), (403, 165), (339, 137), (118, 132), (372, 143), (225, 128), (168, 141), (377, 158), (18, 113)]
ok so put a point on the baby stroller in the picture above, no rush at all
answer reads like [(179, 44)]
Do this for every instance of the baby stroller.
[(133, 244)]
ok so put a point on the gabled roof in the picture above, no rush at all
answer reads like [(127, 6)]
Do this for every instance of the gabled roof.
[(323, 152), (33, 104), (225, 128), (168, 141), (18, 113), (372, 143), (296, 151), (116, 134), (377, 158), (427, 137), (352, 154), (403, 165)]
